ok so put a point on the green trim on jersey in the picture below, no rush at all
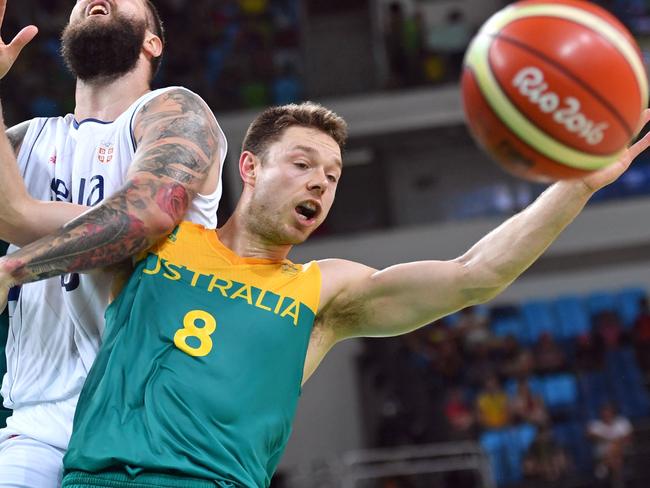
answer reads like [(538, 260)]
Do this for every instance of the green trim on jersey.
[(122, 480)]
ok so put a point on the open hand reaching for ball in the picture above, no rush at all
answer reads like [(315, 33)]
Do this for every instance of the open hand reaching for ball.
[(9, 52)]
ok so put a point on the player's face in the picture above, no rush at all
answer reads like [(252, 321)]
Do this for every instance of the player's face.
[(296, 184), (104, 38)]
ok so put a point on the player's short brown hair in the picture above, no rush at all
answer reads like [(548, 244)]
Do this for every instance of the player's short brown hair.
[(269, 126), (155, 25)]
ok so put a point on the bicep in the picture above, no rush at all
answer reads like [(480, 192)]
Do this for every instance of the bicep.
[(400, 298)]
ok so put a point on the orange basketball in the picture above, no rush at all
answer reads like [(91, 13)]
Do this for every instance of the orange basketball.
[(553, 89)]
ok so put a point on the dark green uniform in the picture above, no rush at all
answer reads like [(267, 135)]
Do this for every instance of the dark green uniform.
[(200, 370)]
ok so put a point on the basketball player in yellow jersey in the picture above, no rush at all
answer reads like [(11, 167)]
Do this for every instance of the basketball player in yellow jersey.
[(290, 170), (182, 403)]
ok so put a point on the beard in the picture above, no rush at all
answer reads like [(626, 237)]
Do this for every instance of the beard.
[(105, 49), (265, 224)]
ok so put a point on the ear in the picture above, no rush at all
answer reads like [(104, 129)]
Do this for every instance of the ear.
[(248, 167), (153, 45)]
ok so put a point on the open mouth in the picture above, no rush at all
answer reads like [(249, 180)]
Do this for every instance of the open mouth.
[(308, 210), (97, 8)]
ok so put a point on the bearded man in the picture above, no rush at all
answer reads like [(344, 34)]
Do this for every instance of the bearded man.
[(153, 158)]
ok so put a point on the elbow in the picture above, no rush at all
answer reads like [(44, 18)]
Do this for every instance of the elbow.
[(164, 209), (16, 226), (481, 284), (159, 225)]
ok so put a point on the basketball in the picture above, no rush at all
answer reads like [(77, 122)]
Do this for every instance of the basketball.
[(553, 89)]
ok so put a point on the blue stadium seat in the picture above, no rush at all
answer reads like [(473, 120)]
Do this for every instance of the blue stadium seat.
[(628, 304), (535, 383), (594, 392), (519, 439), (561, 393), (627, 384), (452, 320), (507, 326), (572, 437), (601, 301), (494, 442), (572, 316), (539, 317)]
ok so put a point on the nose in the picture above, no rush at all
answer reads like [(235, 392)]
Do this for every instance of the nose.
[(318, 183)]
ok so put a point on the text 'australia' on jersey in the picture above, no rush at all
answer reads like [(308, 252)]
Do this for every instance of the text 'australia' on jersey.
[(201, 366)]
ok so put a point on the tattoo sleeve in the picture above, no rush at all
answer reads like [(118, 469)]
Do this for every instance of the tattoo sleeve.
[(178, 144)]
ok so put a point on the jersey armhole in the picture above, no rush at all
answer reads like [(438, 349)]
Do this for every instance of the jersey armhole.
[(32, 136)]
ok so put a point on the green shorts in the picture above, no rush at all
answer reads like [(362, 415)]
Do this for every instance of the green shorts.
[(111, 479)]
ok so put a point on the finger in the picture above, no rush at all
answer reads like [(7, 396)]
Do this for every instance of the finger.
[(22, 39), (645, 118), (3, 5), (639, 146)]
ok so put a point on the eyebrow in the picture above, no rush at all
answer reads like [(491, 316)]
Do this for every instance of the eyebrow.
[(313, 152)]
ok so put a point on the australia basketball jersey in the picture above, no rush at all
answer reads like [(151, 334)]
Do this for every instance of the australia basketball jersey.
[(56, 324), (201, 367)]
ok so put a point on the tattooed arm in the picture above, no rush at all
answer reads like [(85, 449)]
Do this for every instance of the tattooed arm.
[(178, 147), (22, 218)]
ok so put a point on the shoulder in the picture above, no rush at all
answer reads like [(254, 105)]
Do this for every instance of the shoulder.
[(175, 98), (595, 425), (16, 134), (177, 112), (623, 424), (341, 281)]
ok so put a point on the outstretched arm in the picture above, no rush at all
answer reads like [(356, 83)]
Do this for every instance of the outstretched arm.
[(178, 147), (361, 301)]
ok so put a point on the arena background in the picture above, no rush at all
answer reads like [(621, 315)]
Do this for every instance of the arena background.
[(415, 187)]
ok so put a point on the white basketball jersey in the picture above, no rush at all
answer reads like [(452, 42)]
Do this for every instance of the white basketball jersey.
[(55, 325)]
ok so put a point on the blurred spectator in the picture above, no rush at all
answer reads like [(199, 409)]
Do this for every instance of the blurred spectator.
[(459, 415), (402, 38), (642, 335), (527, 407), (521, 365), (589, 353), (449, 360), (473, 328), (609, 328), (481, 366), (545, 459), (287, 87), (611, 435), (419, 349), (492, 405), (549, 357), (237, 54)]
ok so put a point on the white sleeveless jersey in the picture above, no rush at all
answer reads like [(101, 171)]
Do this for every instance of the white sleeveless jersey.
[(55, 325)]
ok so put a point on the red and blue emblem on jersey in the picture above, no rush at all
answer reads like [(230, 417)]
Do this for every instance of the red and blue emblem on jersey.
[(105, 152)]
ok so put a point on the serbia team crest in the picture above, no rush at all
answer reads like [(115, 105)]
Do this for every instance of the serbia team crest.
[(105, 152)]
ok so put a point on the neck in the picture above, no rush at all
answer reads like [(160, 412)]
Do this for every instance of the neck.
[(107, 100), (237, 237)]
